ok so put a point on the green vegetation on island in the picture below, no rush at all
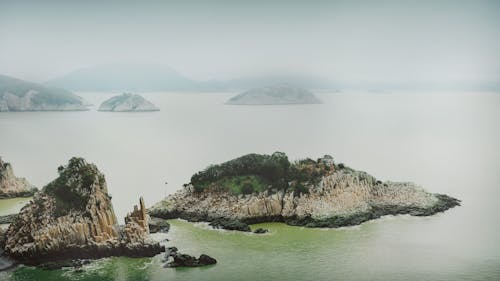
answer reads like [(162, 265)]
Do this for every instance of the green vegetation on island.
[(260, 172)]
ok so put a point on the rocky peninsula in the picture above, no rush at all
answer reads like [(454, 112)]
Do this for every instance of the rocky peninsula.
[(274, 95), (72, 218), (313, 193), (12, 186), (19, 95), (127, 102)]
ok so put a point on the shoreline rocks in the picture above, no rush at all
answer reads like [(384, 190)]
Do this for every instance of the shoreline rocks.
[(341, 197), (73, 218), (12, 186)]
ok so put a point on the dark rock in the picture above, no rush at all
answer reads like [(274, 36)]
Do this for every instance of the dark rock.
[(5, 261), (63, 263), (158, 225), (260, 231), (230, 224), (206, 260), (7, 218), (184, 260)]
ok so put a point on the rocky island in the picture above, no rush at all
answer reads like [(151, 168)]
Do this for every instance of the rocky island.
[(274, 95), (313, 193), (12, 186), (127, 102), (19, 95), (72, 218)]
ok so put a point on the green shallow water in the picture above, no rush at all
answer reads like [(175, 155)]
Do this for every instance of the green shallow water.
[(448, 143), (12, 205), (365, 252)]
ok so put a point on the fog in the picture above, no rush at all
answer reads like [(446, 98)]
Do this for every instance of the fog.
[(399, 42)]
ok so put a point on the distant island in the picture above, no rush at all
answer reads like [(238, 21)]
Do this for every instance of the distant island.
[(19, 95), (313, 193), (12, 186), (274, 95), (127, 102)]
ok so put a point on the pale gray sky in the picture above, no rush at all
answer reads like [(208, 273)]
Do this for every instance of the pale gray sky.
[(390, 41)]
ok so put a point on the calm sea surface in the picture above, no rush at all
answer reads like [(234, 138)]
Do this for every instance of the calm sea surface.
[(447, 142)]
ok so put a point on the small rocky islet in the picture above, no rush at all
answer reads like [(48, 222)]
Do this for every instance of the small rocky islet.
[(72, 218), (313, 193), (127, 102), (71, 221)]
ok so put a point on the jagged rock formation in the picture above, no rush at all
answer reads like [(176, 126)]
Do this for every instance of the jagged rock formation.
[(19, 95), (338, 197), (127, 102), (283, 94), (12, 186), (73, 218)]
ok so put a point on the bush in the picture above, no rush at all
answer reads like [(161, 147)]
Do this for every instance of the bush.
[(73, 186)]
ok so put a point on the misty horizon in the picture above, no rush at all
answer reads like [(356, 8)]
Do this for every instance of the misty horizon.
[(406, 44)]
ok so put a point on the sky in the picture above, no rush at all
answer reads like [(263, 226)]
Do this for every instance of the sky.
[(352, 41)]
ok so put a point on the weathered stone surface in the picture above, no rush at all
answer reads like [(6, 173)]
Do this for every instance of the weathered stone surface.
[(12, 186), (342, 197), (73, 218)]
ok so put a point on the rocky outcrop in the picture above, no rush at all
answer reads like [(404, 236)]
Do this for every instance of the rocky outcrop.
[(282, 94), (127, 102), (158, 225), (183, 260), (73, 218), (12, 186), (341, 197), (19, 95)]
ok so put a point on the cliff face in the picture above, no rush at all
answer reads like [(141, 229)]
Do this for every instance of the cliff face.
[(342, 197), (12, 186), (19, 95), (127, 102), (72, 217)]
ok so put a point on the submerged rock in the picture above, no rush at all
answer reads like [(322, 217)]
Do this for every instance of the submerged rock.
[(73, 218), (319, 194), (260, 231), (12, 186), (274, 95), (127, 102)]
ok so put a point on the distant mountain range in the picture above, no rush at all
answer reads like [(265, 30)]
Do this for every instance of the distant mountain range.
[(141, 78)]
